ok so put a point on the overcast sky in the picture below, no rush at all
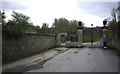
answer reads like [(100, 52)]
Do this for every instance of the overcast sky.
[(45, 11)]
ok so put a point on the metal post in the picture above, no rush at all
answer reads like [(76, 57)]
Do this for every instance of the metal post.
[(101, 37), (83, 36), (91, 36)]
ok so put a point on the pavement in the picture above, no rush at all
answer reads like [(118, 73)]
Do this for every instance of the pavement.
[(25, 64), (63, 59)]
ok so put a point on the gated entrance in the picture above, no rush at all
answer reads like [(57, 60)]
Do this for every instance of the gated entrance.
[(92, 37), (71, 39), (61, 39)]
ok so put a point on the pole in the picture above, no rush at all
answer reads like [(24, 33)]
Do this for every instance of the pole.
[(83, 36), (91, 36), (101, 37)]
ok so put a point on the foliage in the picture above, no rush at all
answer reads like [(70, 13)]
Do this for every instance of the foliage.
[(3, 17), (19, 24), (61, 25), (44, 28), (92, 34), (64, 25), (114, 25), (114, 28), (73, 25), (37, 29)]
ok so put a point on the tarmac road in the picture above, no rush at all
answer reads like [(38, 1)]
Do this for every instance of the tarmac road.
[(68, 60), (82, 60)]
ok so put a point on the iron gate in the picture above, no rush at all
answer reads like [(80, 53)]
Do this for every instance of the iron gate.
[(92, 37)]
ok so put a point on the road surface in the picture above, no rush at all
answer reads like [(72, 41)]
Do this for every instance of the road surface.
[(71, 60), (82, 60)]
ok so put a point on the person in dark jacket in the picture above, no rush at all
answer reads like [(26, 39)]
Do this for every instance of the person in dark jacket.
[(105, 40)]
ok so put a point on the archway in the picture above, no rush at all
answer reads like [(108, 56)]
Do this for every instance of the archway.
[(61, 39)]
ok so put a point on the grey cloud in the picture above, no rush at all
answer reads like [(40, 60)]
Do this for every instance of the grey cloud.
[(100, 9), (12, 6)]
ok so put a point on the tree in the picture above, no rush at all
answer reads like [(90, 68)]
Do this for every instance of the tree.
[(118, 9), (44, 28), (20, 23), (113, 27), (19, 17), (113, 24), (37, 29), (31, 28), (61, 25), (55, 26), (64, 25), (114, 14), (73, 25), (3, 17)]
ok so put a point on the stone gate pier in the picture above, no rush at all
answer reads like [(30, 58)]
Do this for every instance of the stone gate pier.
[(72, 39)]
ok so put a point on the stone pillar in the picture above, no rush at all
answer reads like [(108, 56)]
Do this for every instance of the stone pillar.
[(80, 37), (104, 27), (58, 40), (104, 30)]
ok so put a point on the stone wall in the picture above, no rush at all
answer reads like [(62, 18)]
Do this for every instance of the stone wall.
[(27, 45)]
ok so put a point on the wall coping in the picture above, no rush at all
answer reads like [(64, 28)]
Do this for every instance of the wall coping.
[(53, 35)]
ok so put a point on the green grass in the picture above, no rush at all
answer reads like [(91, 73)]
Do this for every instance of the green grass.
[(88, 39), (62, 41)]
